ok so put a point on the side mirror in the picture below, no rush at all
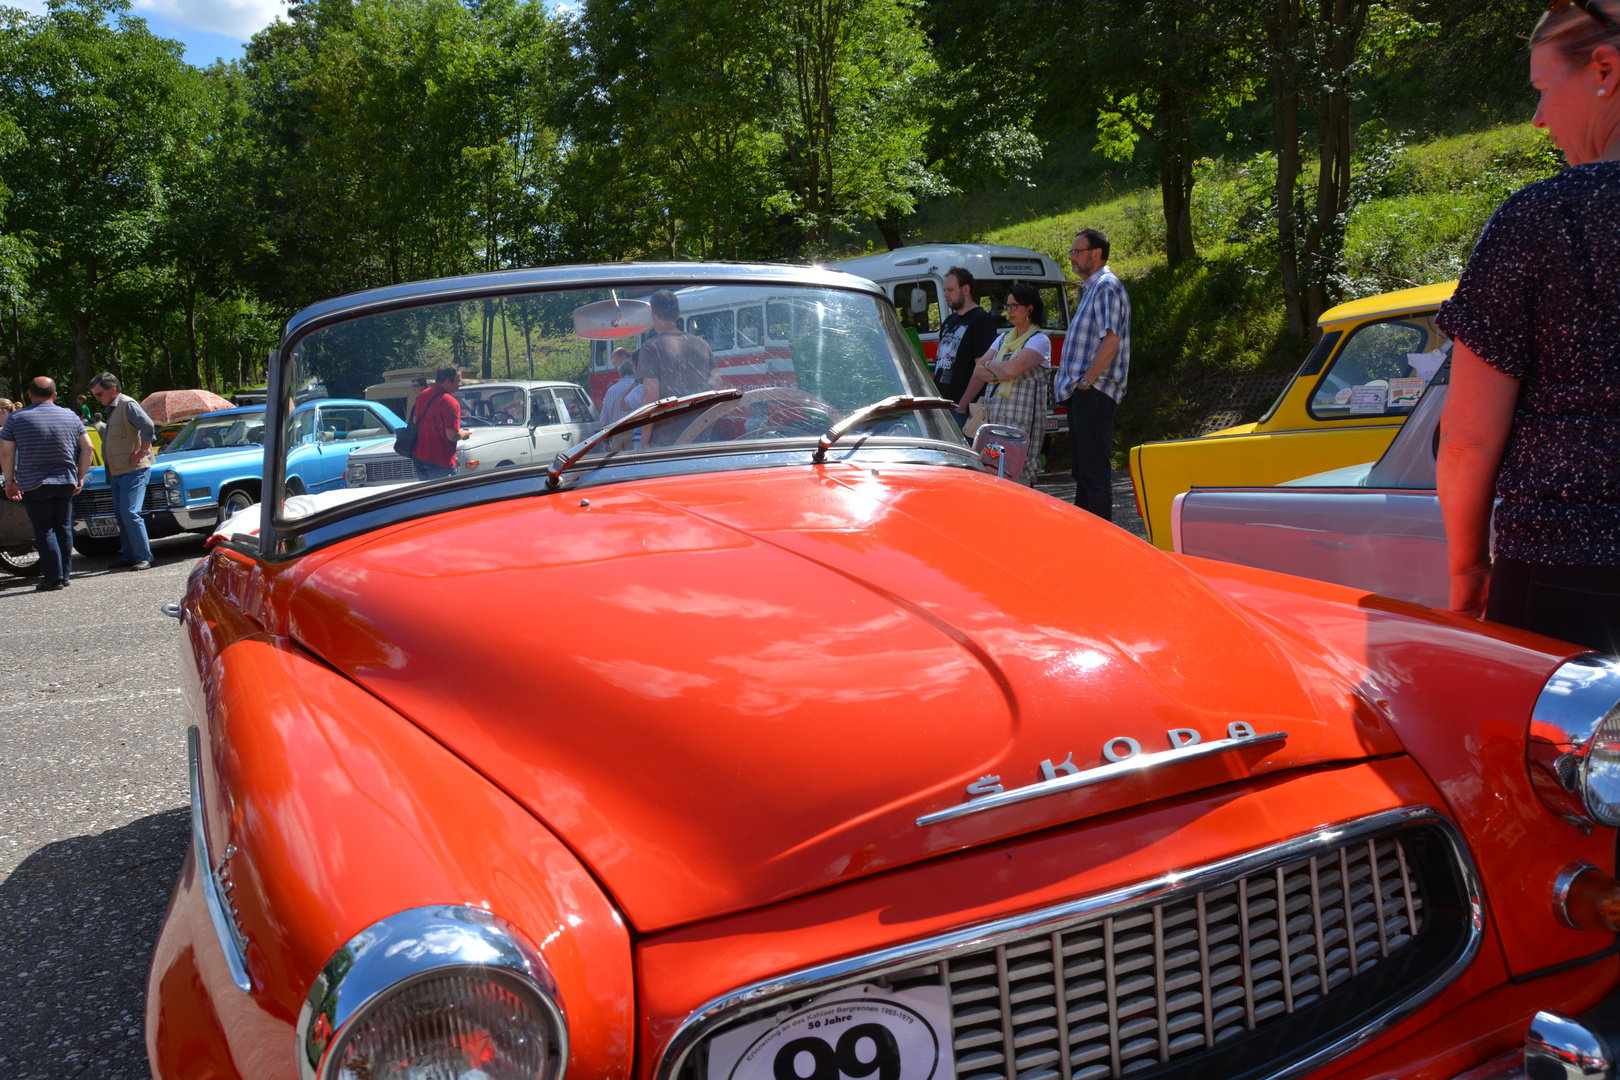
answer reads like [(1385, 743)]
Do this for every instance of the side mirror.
[(919, 301), (326, 436)]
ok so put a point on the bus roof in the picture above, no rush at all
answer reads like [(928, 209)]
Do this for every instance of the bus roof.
[(983, 261)]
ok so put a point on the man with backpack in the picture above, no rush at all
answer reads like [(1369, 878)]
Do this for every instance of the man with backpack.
[(436, 418)]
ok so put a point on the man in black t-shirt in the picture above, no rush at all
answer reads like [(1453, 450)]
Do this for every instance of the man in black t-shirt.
[(964, 336)]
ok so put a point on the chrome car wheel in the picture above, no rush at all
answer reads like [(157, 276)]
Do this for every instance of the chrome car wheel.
[(21, 563)]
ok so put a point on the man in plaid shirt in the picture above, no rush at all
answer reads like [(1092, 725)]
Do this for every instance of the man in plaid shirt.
[(1091, 377)]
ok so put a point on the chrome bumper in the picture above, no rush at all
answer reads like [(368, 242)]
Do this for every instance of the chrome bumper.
[(1559, 1047)]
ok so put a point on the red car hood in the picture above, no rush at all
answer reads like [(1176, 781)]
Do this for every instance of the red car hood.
[(725, 690)]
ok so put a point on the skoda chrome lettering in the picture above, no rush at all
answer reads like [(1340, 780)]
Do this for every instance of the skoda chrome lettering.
[(1125, 758)]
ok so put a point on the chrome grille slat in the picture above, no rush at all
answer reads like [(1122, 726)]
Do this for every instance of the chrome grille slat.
[(1146, 988)]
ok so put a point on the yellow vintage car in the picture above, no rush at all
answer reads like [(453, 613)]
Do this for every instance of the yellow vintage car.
[(1342, 407)]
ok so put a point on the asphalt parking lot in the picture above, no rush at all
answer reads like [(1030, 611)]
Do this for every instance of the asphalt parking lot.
[(93, 810), (94, 804)]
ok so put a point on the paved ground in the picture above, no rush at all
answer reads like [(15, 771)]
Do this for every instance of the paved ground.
[(93, 805), (93, 811)]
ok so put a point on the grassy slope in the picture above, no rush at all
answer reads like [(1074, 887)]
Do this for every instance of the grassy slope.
[(1199, 328)]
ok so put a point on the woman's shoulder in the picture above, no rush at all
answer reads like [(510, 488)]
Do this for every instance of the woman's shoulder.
[(1588, 189)]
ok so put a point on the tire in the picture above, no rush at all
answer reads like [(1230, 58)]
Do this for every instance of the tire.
[(235, 500), (21, 563), (295, 486), (96, 546)]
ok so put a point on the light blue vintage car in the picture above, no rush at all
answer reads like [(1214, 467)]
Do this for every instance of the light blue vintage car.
[(214, 468)]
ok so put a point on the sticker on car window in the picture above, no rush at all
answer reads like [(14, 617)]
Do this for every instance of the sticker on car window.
[(863, 1031), (1369, 399), (1425, 364), (1404, 393)]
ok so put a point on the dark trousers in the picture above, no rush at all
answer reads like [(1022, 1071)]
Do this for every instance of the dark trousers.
[(50, 512), (1091, 451), (1572, 603), (426, 470)]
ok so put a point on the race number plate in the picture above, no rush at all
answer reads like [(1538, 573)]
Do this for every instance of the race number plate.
[(102, 526), (863, 1031)]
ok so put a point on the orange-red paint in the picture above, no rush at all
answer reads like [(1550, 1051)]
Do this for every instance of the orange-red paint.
[(712, 708)]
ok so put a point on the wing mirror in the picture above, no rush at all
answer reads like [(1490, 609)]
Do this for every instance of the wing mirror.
[(326, 436)]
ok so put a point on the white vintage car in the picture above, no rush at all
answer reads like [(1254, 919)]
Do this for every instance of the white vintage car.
[(509, 423)]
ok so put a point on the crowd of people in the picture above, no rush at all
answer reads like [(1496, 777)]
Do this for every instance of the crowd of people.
[(1530, 436)]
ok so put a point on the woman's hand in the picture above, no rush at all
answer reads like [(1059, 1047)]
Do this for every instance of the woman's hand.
[(1469, 591)]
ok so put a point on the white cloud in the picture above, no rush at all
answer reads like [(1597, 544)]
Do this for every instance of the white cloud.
[(239, 19)]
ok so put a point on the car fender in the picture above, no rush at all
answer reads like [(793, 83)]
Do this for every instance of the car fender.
[(333, 812), (1458, 694)]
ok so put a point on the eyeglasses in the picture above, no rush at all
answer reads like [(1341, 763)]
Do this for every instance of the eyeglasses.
[(1013, 303), (1589, 6)]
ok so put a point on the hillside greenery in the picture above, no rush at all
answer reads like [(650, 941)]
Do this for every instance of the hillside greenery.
[(1255, 161)]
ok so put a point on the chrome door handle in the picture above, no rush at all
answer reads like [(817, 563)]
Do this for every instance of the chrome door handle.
[(567, 436)]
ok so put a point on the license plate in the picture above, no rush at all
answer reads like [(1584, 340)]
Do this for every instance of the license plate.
[(1054, 423), (100, 526)]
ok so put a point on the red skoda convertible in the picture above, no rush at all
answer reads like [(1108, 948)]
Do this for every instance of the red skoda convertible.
[(765, 734)]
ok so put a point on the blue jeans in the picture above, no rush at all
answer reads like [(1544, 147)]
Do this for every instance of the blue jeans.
[(50, 512), (426, 470), (1091, 450), (128, 492)]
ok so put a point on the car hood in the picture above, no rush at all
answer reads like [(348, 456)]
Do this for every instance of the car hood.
[(725, 690), (211, 454)]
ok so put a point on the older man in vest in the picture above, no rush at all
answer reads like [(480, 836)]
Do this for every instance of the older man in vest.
[(127, 450)]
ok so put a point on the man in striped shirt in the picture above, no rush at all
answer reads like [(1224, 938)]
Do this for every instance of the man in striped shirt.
[(1090, 379)]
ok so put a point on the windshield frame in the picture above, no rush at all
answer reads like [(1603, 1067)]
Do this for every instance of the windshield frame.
[(280, 539)]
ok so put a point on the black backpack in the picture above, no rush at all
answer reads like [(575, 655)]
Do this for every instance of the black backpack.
[(405, 441)]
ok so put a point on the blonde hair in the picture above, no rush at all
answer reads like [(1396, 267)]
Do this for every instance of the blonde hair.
[(1578, 33)]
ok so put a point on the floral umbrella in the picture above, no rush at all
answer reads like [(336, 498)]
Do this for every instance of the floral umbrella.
[(173, 406)]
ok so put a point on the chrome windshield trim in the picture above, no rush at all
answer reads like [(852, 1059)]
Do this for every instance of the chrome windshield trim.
[(220, 914), (405, 948), (1099, 775), (769, 993)]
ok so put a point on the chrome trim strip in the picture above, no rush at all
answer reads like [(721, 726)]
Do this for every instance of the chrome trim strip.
[(219, 912), (1101, 774), (404, 949), (763, 995)]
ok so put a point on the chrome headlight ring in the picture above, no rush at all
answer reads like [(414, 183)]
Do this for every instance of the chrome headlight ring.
[(1574, 742), (412, 948)]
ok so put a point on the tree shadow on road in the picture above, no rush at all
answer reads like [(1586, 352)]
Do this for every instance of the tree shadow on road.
[(78, 922)]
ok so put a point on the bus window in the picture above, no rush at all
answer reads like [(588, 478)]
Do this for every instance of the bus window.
[(600, 354), (778, 321), (918, 305), (750, 328), (718, 328), (1053, 299)]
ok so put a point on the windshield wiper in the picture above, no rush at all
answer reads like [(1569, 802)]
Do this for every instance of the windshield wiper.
[(897, 404), (658, 410)]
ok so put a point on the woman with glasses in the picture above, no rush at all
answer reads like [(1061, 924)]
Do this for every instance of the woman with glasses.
[(1016, 375), (1533, 415)]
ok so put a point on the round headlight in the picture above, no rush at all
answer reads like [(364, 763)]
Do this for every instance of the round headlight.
[(1574, 742), (171, 479), (435, 992), (1600, 772), (472, 1026)]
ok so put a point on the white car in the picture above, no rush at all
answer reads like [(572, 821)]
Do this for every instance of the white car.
[(509, 423)]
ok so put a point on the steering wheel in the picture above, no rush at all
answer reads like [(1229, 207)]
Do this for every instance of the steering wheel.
[(707, 419)]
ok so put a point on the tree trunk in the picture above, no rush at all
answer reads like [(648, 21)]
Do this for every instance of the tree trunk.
[(889, 227), (1175, 191), (84, 353), (194, 367), (1282, 40)]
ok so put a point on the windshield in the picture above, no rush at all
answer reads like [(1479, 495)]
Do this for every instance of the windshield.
[(802, 358), (213, 432)]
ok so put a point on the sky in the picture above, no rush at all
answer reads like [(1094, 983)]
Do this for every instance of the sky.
[(209, 29)]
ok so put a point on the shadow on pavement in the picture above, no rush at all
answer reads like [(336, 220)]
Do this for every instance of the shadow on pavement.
[(78, 921)]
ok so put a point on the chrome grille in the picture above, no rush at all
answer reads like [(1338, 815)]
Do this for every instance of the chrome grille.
[(1268, 964), (98, 502), (389, 469), (1127, 993)]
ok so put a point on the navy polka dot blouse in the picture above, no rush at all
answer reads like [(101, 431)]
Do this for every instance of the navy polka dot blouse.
[(1540, 301)]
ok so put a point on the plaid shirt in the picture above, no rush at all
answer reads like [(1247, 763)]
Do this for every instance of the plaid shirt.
[(1102, 306)]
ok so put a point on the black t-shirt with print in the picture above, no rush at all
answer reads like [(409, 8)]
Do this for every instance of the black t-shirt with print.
[(1540, 301), (963, 338)]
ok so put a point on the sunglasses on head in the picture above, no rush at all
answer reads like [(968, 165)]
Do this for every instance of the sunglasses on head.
[(1590, 7)]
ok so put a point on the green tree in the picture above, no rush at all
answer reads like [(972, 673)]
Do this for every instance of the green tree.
[(104, 110)]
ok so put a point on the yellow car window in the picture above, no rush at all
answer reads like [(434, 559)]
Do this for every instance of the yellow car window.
[(1382, 369)]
